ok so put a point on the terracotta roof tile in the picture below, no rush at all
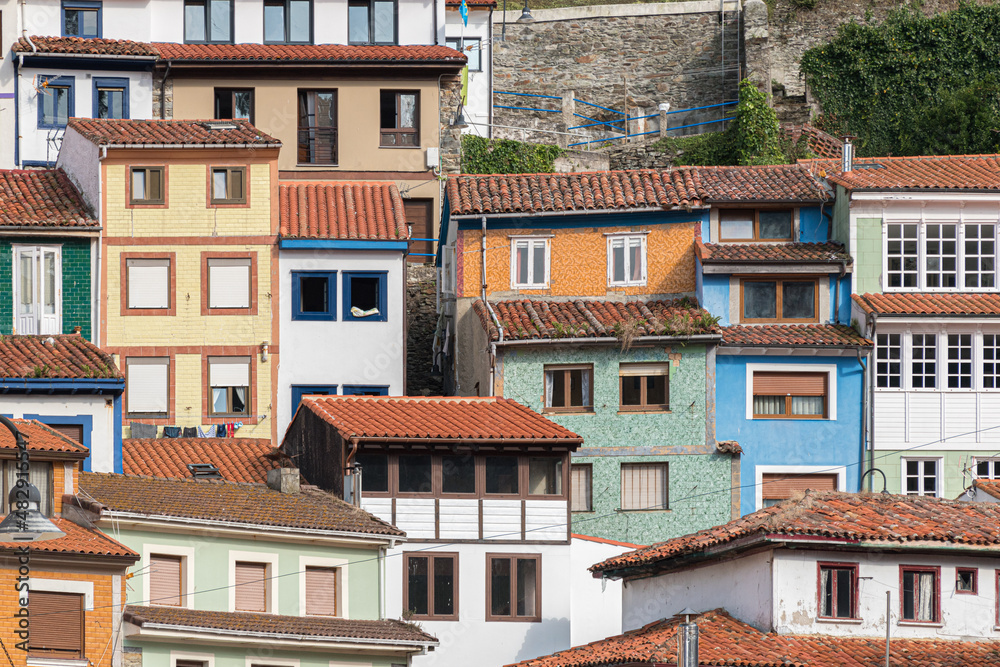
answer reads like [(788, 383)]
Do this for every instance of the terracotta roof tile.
[(933, 303), (458, 417), (105, 132), (78, 540), (41, 198), (85, 46), (41, 438), (624, 190), (819, 143), (341, 53), (217, 500), (552, 320), (69, 356), (370, 211), (724, 640), (273, 624), (238, 459), (942, 172), (793, 335), (870, 517), (989, 486), (772, 252)]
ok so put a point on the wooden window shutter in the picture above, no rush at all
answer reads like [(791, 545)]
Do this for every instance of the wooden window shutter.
[(72, 431), (165, 580), (766, 383), (57, 624), (779, 486), (321, 591), (251, 587)]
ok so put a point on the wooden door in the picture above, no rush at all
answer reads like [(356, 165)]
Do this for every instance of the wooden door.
[(418, 217)]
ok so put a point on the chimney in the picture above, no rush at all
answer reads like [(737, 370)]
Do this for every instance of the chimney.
[(687, 640), (847, 155), (284, 480)]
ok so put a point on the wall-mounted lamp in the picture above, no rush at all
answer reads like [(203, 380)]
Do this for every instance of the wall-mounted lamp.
[(25, 523), (264, 347)]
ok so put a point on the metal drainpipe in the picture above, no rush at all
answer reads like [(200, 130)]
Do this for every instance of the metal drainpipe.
[(872, 326), (489, 309), (163, 92)]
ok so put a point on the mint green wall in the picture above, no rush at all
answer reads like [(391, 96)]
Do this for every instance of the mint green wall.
[(156, 654), (841, 217), (868, 255), (699, 479), (211, 560), (75, 282), (953, 483)]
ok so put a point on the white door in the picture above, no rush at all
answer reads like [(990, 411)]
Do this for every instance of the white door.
[(37, 290)]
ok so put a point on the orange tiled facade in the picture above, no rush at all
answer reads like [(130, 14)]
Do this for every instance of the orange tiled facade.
[(577, 268)]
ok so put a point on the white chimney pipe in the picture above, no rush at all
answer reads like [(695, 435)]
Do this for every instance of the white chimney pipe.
[(847, 157)]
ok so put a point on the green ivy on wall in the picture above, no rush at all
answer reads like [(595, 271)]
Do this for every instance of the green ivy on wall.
[(505, 156), (914, 84)]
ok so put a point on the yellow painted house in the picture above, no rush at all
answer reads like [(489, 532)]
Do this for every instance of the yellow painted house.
[(187, 261)]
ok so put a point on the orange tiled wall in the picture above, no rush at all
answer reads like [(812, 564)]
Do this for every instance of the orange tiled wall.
[(579, 262), (98, 623)]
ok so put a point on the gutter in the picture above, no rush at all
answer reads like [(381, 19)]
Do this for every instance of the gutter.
[(88, 56), (592, 211), (243, 64), (473, 441), (349, 641), (38, 229), (611, 340), (248, 146)]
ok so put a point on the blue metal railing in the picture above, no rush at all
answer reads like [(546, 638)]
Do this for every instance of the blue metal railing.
[(639, 134)]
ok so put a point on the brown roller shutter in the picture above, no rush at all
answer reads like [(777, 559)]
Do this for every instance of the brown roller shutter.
[(321, 591), (165, 580), (72, 431), (251, 592), (56, 624), (789, 384), (779, 486)]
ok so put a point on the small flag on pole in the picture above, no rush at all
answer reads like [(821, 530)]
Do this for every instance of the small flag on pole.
[(464, 11)]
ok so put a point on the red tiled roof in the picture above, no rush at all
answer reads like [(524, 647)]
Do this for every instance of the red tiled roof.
[(85, 46), (68, 356), (446, 417), (793, 335), (41, 438), (924, 303), (825, 253), (78, 540), (623, 190), (316, 627), (989, 486), (942, 172), (341, 53), (873, 518), (219, 500), (105, 132), (552, 320), (41, 198), (371, 211), (819, 143), (238, 459), (724, 640)]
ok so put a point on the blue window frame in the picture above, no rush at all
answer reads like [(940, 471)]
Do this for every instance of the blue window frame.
[(55, 101), (365, 390), (300, 390), (365, 296), (110, 97), (314, 295), (81, 18)]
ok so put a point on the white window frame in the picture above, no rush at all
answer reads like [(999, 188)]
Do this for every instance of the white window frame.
[(270, 586), (228, 263), (941, 331), (961, 221), (261, 661), (514, 240), (626, 238), (831, 384), (760, 471), (84, 588), (207, 658), (319, 561), (938, 462), (42, 324), (976, 460), (150, 262), (166, 386), (186, 555)]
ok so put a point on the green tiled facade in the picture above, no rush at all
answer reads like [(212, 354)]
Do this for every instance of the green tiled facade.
[(868, 256), (76, 282), (699, 478)]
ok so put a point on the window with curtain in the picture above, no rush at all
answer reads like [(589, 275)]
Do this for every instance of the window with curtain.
[(399, 116), (39, 474), (644, 486), (229, 383), (838, 586), (317, 127), (644, 387), (147, 185), (919, 597), (568, 388), (529, 263), (581, 487), (545, 476), (626, 260), (789, 395)]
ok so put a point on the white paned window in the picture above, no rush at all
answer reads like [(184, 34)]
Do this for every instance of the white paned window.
[(991, 361), (940, 255), (626, 260), (987, 468), (146, 380), (960, 361), (920, 477), (229, 282), (148, 283), (923, 365), (229, 380), (888, 360), (529, 265), (644, 486)]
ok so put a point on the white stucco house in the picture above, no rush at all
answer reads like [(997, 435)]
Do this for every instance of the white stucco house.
[(342, 262)]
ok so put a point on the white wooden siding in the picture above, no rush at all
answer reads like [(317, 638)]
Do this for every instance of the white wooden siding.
[(502, 519), (989, 415), (459, 518), (890, 418), (959, 415), (958, 419), (380, 507), (545, 520), (924, 416), (416, 517)]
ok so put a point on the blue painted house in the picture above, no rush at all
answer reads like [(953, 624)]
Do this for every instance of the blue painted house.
[(790, 368)]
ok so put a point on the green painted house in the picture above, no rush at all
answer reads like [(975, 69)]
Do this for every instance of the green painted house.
[(48, 255), (242, 574)]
